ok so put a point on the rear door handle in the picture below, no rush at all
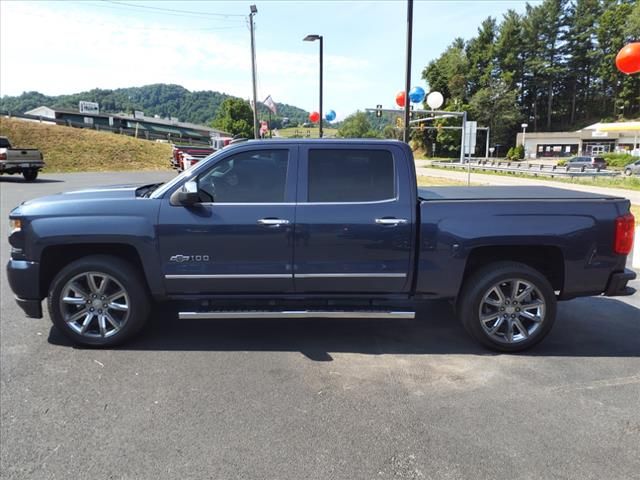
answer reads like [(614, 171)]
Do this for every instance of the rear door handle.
[(273, 222), (391, 221)]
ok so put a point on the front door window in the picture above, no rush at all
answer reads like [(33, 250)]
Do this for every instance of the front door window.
[(248, 177)]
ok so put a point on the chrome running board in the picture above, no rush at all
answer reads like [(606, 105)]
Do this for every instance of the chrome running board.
[(226, 314)]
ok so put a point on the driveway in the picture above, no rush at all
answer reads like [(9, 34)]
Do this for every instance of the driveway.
[(316, 399)]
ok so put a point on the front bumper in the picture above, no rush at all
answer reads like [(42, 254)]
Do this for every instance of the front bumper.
[(617, 285), (24, 280)]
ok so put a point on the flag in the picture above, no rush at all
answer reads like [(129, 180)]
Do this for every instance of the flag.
[(270, 104)]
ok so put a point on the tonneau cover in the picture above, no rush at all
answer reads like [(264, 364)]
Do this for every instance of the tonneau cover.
[(507, 193)]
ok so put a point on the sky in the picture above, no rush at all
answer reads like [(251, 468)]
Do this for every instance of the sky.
[(61, 47)]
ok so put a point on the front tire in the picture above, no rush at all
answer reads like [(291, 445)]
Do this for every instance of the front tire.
[(507, 306), (627, 172), (98, 301), (30, 175)]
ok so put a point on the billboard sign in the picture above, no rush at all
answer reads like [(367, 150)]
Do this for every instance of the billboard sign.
[(89, 107)]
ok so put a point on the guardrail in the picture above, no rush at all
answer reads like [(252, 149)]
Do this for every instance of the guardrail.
[(535, 169)]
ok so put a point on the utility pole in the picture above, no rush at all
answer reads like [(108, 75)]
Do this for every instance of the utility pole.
[(313, 38), (407, 83), (321, 68), (254, 10)]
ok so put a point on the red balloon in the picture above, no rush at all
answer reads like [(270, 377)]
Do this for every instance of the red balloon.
[(628, 58), (314, 117), (401, 99)]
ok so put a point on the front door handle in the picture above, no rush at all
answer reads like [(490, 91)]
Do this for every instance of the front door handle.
[(391, 221), (273, 222)]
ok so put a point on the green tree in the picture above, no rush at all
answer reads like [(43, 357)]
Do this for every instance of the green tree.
[(236, 117), (448, 73), (357, 126), (632, 25), (580, 41), (480, 56), (542, 30), (496, 107), (618, 90), (508, 50)]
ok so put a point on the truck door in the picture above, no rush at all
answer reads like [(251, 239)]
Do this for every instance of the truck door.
[(354, 220), (240, 238)]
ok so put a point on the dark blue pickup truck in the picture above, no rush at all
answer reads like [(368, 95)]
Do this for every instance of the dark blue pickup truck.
[(327, 228)]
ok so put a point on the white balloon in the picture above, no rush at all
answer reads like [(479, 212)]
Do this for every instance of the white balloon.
[(435, 100)]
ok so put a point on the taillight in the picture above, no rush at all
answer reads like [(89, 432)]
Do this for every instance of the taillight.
[(3, 156), (623, 238)]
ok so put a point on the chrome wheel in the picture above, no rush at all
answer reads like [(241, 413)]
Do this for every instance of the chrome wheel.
[(94, 304), (512, 311)]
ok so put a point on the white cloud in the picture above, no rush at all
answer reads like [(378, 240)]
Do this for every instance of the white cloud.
[(55, 53)]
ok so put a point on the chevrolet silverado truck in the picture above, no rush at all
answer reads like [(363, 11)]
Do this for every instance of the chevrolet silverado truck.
[(27, 161), (315, 228)]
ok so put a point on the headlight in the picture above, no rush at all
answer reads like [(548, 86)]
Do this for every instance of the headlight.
[(15, 225)]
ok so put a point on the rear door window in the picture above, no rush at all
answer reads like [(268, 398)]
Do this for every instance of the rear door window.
[(350, 175)]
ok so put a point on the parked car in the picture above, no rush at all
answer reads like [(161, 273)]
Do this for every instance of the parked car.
[(588, 162), (184, 157), (27, 161), (315, 228), (632, 168)]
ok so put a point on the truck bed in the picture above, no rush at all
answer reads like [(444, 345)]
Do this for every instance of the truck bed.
[(428, 194)]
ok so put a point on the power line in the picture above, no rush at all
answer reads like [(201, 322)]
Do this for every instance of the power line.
[(171, 10), (135, 28)]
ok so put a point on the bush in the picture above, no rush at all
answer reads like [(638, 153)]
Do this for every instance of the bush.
[(562, 163), (515, 153), (518, 152), (619, 160), (510, 153)]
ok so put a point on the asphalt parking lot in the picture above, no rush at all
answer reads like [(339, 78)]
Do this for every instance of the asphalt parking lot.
[(325, 399)]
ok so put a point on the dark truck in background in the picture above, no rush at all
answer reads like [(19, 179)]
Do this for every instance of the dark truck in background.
[(315, 228), (27, 161)]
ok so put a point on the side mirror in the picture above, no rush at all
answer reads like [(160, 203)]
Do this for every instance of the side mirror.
[(187, 195)]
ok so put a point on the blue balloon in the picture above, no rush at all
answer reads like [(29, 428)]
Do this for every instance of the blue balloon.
[(330, 116), (416, 94)]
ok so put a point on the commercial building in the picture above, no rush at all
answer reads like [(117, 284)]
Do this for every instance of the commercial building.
[(138, 125), (595, 139)]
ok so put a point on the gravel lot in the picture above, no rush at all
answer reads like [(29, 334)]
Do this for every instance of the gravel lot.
[(325, 399)]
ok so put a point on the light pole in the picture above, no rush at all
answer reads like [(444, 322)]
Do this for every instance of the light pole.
[(253, 11), (407, 73), (524, 135), (313, 38)]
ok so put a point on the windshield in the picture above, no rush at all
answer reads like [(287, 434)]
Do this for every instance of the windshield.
[(190, 173)]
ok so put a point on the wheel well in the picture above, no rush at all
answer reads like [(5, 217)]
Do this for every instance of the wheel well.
[(55, 258), (546, 259)]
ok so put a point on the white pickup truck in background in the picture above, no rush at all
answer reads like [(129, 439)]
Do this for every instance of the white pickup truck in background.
[(27, 161)]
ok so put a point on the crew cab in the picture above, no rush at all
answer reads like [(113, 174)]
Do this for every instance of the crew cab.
[(27, 161), (315, 228)]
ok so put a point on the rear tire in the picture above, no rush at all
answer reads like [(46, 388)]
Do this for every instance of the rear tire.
[(30, 175), (507, 306), (93, 313), (627, 172)]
